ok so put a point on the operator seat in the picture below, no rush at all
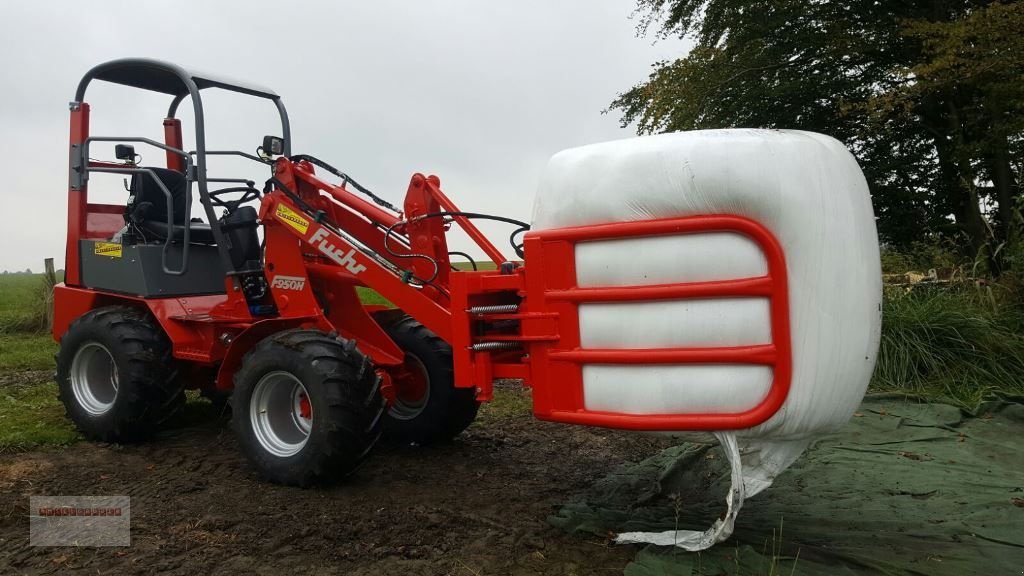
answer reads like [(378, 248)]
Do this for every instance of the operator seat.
[(147, 207)]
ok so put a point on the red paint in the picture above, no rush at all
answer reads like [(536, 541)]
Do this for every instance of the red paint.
[(557, 366), (172, 137), (78, 200), (533, 337), (433, 185), (410, 382)]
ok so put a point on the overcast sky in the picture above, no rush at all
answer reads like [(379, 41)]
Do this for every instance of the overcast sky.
[(479, 93)]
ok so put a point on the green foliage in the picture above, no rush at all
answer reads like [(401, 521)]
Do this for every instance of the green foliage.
[(929, 96), (922, 256), (961, 343), (979, 50), (27, 352), (22, 303), (31, 416), (511, 401)]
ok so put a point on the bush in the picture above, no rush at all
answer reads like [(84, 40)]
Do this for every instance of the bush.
[(922, 256), (962, 342)]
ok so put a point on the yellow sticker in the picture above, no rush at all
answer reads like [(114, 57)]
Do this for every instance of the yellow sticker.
[(111, 249), (292, 218)]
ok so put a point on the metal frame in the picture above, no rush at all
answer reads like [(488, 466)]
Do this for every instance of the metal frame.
[(170, 79), (82, 175), (556, 365)]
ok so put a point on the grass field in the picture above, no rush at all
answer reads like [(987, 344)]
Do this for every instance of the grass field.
[(21, 308), (30, 414), (26, 351)]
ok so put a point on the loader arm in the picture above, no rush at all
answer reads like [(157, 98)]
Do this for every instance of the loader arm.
[(346, 241)]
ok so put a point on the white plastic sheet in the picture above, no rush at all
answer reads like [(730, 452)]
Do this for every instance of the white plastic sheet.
[(808, 191)]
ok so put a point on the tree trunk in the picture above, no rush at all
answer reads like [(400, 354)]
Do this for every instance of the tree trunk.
[(962, 197), (959, 180), (1005, 187)]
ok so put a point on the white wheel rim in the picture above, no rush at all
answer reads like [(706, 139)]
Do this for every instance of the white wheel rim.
[(94, 378), (275, 412)]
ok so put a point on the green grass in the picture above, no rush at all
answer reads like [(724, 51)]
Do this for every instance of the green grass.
[(958, 343), (26, 352), (509, 402), (21, 303), (371, 298), (30, 414), (31, 417)]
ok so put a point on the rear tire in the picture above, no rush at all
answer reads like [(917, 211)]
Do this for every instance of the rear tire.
[(441, 411), (306, 407), (115, 374)]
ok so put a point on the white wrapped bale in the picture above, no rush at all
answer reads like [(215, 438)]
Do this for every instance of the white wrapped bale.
[(808, 191)]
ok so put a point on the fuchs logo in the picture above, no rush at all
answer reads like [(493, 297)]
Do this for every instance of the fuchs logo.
[(288, 282), (347, 259)]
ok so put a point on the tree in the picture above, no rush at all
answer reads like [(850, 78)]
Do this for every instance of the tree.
[(928, 95)]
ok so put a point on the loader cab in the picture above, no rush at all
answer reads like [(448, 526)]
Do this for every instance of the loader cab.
[(150, 246)]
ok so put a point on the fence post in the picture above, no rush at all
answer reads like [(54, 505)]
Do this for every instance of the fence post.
[(49, 281)]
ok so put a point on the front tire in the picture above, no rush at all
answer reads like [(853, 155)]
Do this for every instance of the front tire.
[(428, 407), (115, 374), (306, 407)]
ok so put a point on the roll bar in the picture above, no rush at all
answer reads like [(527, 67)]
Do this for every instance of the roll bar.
[(168, 78)]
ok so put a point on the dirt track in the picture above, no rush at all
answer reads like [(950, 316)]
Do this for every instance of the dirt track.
[(477, 506)]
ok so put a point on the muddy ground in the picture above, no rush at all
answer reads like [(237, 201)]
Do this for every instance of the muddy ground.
[(476, 506)]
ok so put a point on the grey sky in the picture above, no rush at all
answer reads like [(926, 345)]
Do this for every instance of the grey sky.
[(479, 93)]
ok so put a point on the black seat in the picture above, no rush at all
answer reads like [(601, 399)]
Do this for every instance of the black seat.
[(240, 228), (147, 207), (199, 232)]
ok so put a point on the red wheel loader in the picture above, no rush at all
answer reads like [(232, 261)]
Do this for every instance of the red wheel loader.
[(259, 303)]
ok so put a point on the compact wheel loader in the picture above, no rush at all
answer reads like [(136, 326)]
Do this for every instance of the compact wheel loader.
[(258, 304)]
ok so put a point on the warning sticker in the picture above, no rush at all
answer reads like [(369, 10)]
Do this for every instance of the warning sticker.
[(292, 218), (111, 249)]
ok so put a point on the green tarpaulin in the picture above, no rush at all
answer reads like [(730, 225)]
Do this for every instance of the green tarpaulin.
[(905, 488)]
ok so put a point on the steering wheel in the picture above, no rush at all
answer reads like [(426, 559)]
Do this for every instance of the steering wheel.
[(249, 194)]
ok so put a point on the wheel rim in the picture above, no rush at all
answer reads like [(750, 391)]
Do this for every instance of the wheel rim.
[(281, 414), (94, 378), (412, 390)]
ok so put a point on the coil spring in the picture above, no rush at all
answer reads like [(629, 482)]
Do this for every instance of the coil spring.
[(499, 309), (495, 346)]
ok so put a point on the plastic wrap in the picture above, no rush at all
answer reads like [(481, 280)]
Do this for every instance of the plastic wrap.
[(808, 191)]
